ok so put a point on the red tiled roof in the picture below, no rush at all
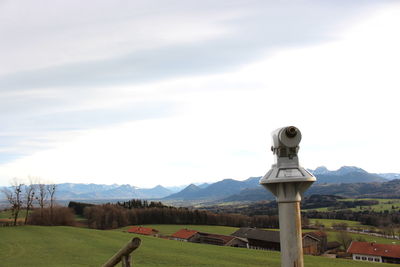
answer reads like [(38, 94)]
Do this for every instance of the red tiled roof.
[(184, 234), (368, 248), (142, 230)]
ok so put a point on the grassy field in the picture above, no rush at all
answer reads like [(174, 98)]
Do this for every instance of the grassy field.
[(71, 246), (330, 222), (384, 204), (332, 236), (6, 214)]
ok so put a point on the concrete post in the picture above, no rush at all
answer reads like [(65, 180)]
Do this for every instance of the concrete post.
[(291, 245), (287, 181)]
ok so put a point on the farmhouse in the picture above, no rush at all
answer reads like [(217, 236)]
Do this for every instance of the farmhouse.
[(186, 235), (143, 231), (259, 239), (367, 251), (314, 243)]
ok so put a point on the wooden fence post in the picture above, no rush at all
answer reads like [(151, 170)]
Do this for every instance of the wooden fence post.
[(124, 254)]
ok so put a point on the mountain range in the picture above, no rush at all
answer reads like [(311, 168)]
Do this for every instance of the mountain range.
[(230, 190), (214, 191), (101, 191), (346, 174)]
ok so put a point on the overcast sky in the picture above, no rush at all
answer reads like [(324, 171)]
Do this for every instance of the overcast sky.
[(175, 92)]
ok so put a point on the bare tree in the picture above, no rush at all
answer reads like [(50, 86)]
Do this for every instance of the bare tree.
[(41, 197), (344, 238), (29, 194), (14, 197), (51, 190)]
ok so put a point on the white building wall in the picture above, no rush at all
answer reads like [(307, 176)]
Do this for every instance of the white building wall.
[(370, 258)]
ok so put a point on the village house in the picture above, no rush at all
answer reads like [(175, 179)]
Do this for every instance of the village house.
[(186, 235), (371, 251), (143, 231)]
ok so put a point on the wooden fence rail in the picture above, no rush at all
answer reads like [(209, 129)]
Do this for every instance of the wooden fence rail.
[(124, 254)]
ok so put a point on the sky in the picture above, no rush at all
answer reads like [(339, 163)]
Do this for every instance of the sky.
[(178, 92)]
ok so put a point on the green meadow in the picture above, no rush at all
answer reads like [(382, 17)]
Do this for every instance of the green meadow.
[(330, 222), (384, 204), (72, 246), (7, 214)]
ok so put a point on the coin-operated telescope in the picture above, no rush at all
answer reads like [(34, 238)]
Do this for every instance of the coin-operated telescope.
[(287, 180)]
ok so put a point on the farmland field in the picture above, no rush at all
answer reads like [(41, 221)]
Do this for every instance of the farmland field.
[(330, 222), (71, 246), (384, 204)]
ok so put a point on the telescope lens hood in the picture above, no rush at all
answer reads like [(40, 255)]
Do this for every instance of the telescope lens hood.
[(291, 131)]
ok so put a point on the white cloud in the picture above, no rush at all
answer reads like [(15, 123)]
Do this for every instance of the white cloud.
[(341, 94), (67, 32)]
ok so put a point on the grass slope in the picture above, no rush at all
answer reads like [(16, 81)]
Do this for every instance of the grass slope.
[(390, 204), (70, 246), (330, 222)]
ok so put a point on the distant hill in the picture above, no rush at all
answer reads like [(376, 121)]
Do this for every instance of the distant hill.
[(214, 191), (390, 176), (72, 191), (250, 194), (203, 185), (155, 192), (389, 189), (229, 190), (346, 174), (186, 193)]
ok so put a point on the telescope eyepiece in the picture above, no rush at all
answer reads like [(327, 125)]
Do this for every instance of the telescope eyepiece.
[(291, 131)]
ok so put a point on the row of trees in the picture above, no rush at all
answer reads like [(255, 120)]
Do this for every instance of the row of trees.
[(109, 216), (22, 196), (140, 203)]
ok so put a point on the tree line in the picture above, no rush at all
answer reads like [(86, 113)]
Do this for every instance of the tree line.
[(136, 212)]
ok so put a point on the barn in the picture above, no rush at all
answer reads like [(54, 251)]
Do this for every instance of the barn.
[(259, 239), (314, 243), (222, 240)]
